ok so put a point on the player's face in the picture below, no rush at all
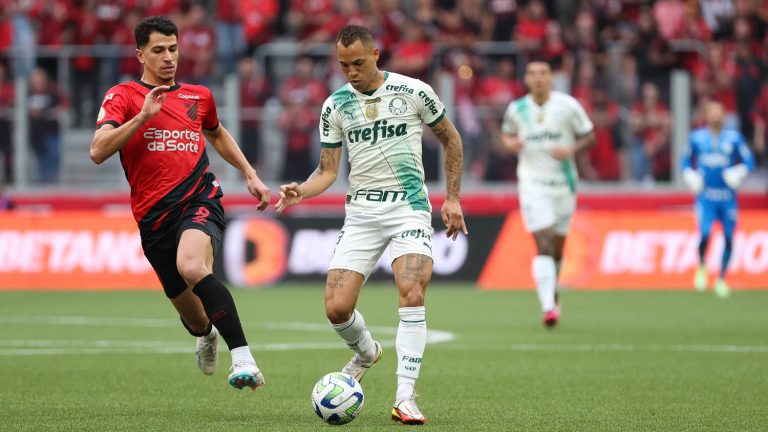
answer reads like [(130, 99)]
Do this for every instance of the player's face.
[(358, 63), (538, 78), (715, 114), (160, 57)]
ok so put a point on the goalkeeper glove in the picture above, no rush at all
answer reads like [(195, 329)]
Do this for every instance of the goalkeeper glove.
[(735, 175), (693, 179)]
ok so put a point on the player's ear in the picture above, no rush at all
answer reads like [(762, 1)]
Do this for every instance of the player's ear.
[(376, 55), (140, 55)]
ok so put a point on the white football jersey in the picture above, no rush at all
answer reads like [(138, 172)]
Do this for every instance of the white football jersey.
[(382, 132), (543, 127)]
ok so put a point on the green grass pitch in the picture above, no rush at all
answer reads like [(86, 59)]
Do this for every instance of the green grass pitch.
[(619, 361)]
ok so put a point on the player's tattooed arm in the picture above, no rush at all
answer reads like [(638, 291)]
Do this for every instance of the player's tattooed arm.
[(321, 179), (325, 173), (451, 213), (449, 137)]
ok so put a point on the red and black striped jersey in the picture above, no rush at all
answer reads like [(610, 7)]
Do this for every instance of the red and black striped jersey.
[(165, 160)]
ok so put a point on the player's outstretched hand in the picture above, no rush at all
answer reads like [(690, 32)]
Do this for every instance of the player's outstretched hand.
[(453, 218), (290, 195), (153, 101), (562, 153), (258, 189), (512, 143)]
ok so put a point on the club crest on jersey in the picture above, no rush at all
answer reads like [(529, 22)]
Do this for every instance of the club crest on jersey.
[(397, 106), (372, 108), (192, 111)]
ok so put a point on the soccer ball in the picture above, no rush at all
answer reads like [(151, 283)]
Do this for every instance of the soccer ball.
[(337, 398)]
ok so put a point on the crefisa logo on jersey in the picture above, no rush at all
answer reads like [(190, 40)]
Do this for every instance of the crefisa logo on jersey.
[(164, 140), (397, 106)]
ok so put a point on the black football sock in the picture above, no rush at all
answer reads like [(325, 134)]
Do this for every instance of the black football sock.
[(220, 308), (205, 332)]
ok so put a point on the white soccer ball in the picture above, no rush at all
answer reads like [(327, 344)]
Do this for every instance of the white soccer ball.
[(337, 398)]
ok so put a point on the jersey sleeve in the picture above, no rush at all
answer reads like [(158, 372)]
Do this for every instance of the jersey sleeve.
[(330, 126), (691, 153), (211, 120), (747, 158), (579, 120), (509, 122), (115, 109), (428, 105)]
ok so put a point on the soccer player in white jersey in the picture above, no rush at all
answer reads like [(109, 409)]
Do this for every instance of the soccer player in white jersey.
[(378, 116), (546, 129)]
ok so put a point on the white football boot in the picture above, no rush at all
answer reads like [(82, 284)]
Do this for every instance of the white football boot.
[(357, 367), (206, 351), (245, 374)]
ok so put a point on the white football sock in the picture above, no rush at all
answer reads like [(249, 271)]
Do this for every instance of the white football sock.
[(212, 334), (545, 275), (242, 353), (356, 335), (410, 342)]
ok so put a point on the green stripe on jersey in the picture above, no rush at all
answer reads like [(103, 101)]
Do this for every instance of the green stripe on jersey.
[(521, 105), (330, 145), (404, 167), (437, 120), (570, 176)]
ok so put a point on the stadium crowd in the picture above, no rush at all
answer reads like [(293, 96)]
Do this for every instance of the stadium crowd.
[(614, 56)]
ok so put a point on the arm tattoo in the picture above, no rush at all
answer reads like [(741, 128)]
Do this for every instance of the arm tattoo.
[(417, 268), (454, 156), (327, 162)]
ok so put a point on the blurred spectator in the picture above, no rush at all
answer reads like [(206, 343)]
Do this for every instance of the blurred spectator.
[(749, 73), (254, 91), (298, 123), (46, 105), (127, 68), (503, 13), (346, 12), (603, 162), (714, 79), (760, 119), (494, 93), (655, 58), (650, 122), (716, 13), (412, 55), (6, 203), (532, 26), (85, 76), (669, 16), (197, 40), (627, 85), (454, 31), (6, 126), (259, 18), (306, 17), (302, 88), (23, 37), (230, 39)]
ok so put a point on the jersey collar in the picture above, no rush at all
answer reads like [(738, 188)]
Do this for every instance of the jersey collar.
[(149, 86), (371, 92)]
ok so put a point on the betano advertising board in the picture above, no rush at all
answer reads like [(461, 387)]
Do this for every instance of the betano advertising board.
[(605, 250)]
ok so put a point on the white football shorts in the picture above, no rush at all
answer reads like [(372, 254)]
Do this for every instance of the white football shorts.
[(542, 211), (364, 238)]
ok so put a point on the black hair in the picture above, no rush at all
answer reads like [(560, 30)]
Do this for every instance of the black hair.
[(351, 33), (152, 24)]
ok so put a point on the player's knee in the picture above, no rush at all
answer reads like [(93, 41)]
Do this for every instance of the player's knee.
[(545, 244), (192, 270), (337, 309), (412, 294), (337, 312)]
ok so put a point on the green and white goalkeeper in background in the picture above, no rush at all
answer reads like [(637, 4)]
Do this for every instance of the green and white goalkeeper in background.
[(546, 129), (378, 116)]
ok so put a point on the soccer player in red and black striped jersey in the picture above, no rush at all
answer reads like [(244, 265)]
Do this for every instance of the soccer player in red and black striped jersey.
[(158, 127)]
